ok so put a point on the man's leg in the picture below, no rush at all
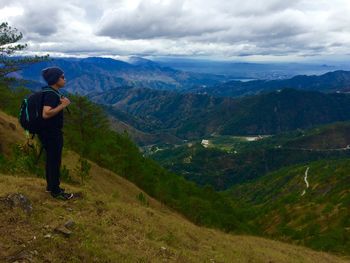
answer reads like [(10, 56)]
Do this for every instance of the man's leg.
[(43, 140), (53, 162)]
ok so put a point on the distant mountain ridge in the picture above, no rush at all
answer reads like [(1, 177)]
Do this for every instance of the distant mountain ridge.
[(194, 115), (328, 82), (96, 74), (188, 105)]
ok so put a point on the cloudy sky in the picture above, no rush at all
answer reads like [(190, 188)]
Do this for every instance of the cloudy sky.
[(251, 30)]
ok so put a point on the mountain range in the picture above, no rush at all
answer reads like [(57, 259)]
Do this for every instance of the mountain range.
[(250, 70), (288, 208), (96, 74), (336, 81), (191, 105), (189, 116)]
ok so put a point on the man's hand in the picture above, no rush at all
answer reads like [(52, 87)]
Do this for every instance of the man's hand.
[(49, 112), (65, 101)]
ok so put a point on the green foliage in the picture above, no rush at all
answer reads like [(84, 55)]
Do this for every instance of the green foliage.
[(334, 239), (170, 239), (191, 116), (328, 209), (317, 219), (142, 198), (65, 175), (222, 169), (10, 99), (8, 38), (86, 123), (87, 132), (22, 161), (83, 169)]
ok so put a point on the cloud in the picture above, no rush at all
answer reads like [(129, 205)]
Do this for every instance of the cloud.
[(219, 28), (168, 19)]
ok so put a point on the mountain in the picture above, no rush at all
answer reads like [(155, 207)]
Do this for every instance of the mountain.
[(285, 110), (328, 82), (246, 71), (112, 220), (298, 182), (161, 110), (122, 122), (308, 202), (87, 132), (96, 74), (229, 160), (189, 116)]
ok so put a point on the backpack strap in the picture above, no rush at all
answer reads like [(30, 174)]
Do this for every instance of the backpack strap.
[(52, 90), (48, 89)]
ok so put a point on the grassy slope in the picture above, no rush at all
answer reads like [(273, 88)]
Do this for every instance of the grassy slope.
[(320, 218), (10, 132), (112, 225)]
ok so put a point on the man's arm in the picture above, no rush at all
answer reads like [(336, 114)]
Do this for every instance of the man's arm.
[(49, 111)]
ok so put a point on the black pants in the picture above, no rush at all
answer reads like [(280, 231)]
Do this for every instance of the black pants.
[(52, 142)]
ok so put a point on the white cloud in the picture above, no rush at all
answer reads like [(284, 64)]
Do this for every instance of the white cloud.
[(167, 19), (8, 12), (235, 28)]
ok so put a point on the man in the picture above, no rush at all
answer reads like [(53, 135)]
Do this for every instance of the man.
[(51, 135)]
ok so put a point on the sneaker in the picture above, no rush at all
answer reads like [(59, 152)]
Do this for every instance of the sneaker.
[(63, 196), (49, 191)]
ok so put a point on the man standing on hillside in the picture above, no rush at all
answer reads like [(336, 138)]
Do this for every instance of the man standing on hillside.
[(51, 135)]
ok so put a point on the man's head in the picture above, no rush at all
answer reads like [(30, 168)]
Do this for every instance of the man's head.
[(53, 76)]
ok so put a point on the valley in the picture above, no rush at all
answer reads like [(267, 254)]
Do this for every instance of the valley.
[(177, 131), (269, 150)]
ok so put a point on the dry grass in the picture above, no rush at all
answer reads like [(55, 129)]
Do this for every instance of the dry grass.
[(10, 133), (113, 225)]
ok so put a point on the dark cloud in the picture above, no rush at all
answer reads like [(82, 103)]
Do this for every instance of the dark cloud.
[(38, 22)]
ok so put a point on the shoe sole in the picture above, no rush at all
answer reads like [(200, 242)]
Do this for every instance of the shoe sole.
[(59, 197)]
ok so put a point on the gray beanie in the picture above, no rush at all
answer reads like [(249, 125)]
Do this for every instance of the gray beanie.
[(51, 75)]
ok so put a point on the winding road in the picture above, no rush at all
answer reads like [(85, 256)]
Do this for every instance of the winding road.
[(306, 182)]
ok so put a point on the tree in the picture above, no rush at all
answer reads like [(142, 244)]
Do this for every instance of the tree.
[(8, 46), (85, 123)]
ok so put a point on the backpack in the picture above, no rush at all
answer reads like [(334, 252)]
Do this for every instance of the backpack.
[(30, 114)]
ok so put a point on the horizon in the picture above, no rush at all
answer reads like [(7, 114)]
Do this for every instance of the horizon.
[(194, 59)]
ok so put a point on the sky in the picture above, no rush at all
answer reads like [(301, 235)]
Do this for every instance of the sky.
[(249, 30)]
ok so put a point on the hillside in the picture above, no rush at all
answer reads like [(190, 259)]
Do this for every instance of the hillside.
[(189, 116), (331, 136), (115, 221), (9, 133), (298, 182), (230, 160), (308, 203), (328, 82), (121, 121)]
